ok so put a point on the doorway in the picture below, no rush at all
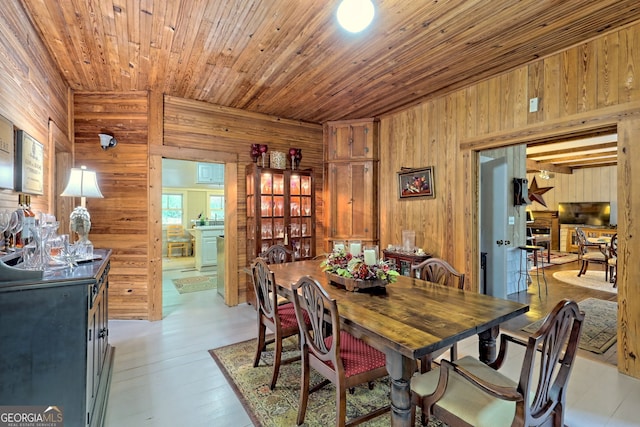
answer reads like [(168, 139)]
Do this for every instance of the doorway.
[(192, 211), (573, 167)]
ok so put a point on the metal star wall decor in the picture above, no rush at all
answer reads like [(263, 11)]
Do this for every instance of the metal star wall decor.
[(535, 192)]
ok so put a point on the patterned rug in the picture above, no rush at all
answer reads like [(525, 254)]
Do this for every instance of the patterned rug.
[(599, 327), (556, 258), (195, 284), (593, 279), (279, 407)]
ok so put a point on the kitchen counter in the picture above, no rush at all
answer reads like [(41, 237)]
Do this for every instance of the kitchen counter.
[(206, 252)]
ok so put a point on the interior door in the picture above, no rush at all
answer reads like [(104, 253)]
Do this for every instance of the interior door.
[(493, 224)]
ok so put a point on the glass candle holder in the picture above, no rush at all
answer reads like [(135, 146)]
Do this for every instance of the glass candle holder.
[(338, 245), (370, 254), (355, 247)]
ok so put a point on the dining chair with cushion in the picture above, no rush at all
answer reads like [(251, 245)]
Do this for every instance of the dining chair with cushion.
[(439, 271), (613, 260), (338, 356), (591, 253), (277, 254), (470, 393), (176, 239), (278, 318)]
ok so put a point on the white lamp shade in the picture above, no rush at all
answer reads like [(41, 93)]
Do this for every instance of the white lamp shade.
[(82, 183), (355, 15)]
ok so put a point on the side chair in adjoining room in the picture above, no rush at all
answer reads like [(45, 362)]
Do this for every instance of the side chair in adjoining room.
[(469, 392), (591, 253), (613, 260), (338, 356), (280, 319), (439, 271)]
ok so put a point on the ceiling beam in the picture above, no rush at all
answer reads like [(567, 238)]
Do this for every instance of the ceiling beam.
[(533, 166)]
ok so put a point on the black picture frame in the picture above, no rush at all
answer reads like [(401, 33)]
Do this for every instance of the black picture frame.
[(416, 182)]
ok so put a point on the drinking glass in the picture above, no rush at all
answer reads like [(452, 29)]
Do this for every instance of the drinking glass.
[(4, 225), (15, 226)]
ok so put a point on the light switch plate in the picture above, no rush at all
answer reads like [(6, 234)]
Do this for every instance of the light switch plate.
[(512, 220), (533, 105)]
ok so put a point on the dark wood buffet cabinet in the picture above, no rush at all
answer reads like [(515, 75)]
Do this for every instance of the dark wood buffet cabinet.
[(54, 342)]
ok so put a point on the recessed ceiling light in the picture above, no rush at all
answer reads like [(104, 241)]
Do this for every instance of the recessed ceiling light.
[(355, 15)]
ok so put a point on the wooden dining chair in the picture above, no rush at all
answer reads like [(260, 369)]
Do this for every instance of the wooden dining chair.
[(591, 253), (470, 393), (613, 260), (176, 239), (338, 356), (278, 318), (439, 271), (277, 254)]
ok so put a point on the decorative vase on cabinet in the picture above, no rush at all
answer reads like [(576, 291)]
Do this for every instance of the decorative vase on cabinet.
[(280, 210)]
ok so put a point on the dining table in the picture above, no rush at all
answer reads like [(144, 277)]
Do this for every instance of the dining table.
[(408, 319)]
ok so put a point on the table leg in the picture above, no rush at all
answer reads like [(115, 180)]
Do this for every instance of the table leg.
[(487, 344), (400, 370)]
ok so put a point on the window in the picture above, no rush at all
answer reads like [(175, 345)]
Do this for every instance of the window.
[(172, 208), (216, 207)]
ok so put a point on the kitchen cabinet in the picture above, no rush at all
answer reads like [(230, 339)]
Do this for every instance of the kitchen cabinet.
[(280, 210), (210, 173), (206, 251), (352, 177), (54, 335)]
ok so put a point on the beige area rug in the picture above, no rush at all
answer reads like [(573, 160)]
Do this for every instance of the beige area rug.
[(279, 407), (599, 329), (195, 284), (593, 279)]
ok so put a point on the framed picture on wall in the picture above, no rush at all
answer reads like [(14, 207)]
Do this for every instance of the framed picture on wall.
[(416, 182), (7, 154), (30, 162)]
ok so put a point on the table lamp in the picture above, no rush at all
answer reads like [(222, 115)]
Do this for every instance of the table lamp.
[(82, 183)]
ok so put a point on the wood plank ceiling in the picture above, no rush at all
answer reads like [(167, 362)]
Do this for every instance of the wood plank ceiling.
[(290, 59)]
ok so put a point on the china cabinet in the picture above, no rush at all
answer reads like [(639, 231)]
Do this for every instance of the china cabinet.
[(280, 210), (352, 176)]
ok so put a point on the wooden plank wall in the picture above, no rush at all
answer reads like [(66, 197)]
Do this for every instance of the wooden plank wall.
[(589, 87), (32, 92), (120, 219), (197, 125)]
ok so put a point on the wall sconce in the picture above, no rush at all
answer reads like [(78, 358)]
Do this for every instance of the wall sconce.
[(82, 183), (107, 141)]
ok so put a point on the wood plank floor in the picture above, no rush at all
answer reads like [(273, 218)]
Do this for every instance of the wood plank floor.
[(165, 377)]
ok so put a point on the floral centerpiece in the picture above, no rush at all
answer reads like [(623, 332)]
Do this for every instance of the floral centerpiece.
[(352, 272)]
